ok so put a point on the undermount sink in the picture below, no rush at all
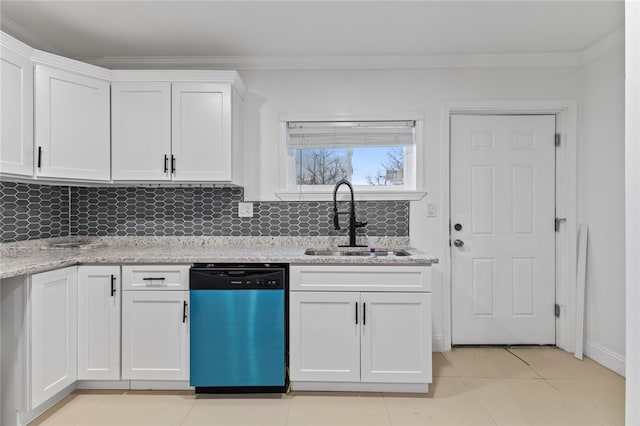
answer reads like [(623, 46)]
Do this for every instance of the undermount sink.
[(340, 252)]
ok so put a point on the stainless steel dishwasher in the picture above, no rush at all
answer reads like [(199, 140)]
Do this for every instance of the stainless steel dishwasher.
[(239, 327)]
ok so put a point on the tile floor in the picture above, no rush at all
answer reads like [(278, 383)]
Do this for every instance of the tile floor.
[(472, 386)]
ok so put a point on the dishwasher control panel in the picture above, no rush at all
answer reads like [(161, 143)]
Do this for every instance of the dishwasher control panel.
[(207, 276)]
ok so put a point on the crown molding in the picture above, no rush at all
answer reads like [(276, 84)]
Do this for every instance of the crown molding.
[(336, 62), (6, 41), (56, 61), (602, 46), (25, 36), (224, 76)]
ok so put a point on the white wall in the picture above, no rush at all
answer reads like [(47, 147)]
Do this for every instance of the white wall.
[(601, 204), (632, 110), (376, 91)]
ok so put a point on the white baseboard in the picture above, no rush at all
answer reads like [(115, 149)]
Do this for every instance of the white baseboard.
[(439, 344), (606, 357), (135, 384), (360, 387), (24, 418)]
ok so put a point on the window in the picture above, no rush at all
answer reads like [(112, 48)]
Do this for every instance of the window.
[(373, 155)]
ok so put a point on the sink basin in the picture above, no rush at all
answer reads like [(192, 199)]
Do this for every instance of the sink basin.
[(339, 252)]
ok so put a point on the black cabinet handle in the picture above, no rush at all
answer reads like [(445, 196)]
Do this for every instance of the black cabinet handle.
[(39, 157), (166, 163), (113, 285), (173, 163), (364, 314), (356, 313), (184, 311), (153, 278)]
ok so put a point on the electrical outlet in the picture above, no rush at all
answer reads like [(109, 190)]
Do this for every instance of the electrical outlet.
[(432, 210), (245, 209)]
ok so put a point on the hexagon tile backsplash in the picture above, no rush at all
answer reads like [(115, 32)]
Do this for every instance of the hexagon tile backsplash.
[(141, 211)]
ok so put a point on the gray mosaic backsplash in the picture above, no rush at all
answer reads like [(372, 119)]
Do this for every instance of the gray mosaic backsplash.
[(30, 211), (124, 211)]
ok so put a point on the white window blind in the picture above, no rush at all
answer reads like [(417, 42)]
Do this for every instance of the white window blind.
[(323, 134)]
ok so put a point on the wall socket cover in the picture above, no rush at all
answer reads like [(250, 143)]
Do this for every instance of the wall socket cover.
[(245, 209)]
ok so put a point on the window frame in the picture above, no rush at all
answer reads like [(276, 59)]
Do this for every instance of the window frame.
[(414, 160)]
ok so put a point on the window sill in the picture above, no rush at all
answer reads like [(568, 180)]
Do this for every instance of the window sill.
[(403, 195)]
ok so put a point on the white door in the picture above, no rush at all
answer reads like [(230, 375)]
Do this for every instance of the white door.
[(324, 342), (53, 333), (141, 131), (502, 229), (71, 126), (155, 335), (99, 322), (16, 109), (201, 131), (396, 343)]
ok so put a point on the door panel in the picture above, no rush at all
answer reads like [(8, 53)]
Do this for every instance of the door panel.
[(503, 197), (324, 336), (396, 347)]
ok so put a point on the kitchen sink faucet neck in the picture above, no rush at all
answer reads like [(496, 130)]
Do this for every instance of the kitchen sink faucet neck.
[(353, 223)]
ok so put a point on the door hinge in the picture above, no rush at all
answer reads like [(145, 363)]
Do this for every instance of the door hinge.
[(556, 310), (557, 223), (557, 139)]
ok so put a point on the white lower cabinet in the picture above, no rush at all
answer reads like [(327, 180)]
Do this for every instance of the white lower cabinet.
[(53, 333), (99, 294), (324, 336), (360, 340), (155, 335)]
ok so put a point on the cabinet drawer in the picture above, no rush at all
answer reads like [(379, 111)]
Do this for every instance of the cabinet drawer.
[(360, 278), (155, 277)]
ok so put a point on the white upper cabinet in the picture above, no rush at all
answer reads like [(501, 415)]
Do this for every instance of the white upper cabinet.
[(187, 131), (71, 125), (16, 109), (202, 131), (141, 131)]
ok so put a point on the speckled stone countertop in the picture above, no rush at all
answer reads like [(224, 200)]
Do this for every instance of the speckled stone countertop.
[(37, 256)]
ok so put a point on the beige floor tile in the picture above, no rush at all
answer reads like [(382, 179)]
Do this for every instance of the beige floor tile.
[(74, 408), (603, 399), (552, 363), (238, 411), (488, 362), (513, 402), (141, 410), (337, 409), (449, 402), (442, 367)]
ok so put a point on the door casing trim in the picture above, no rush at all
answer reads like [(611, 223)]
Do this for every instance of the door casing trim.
[(565, 111)]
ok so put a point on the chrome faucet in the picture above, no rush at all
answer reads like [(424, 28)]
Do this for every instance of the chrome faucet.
[(353, 223)]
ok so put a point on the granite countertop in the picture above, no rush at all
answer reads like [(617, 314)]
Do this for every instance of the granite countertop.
[(37, 256)]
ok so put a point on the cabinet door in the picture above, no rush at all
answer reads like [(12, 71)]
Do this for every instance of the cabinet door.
[(16, 109), (201, 131), (53, 333), (72, 126), (324, 343), (99, 322), (396, 344), (141, 131), (155, 335)]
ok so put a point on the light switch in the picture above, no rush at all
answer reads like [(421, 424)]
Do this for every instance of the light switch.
[(245, 209), (432, 210)]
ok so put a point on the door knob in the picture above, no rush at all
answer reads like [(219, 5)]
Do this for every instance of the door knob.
[(458, 243)]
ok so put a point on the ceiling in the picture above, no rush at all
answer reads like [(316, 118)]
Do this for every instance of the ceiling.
[(293, 29)]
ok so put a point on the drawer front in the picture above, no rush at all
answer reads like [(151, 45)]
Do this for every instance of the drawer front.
[(360, 278), (155, 277)]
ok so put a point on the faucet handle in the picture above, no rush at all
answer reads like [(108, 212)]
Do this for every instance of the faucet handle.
[(361, 224)]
